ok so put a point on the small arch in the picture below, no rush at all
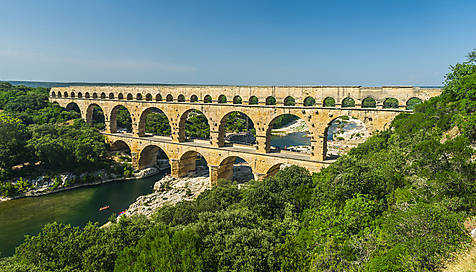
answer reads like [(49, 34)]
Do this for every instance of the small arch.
[(329, 102), (192, 163), (153, 155), (207, 99), (65, 94), (53, 94), (270, 100), (111, 96), (193, 98), (73, 94), (369, 102), (103, 96), (235, 169), (181, 98), (95, 95), (222, 99), (169, 98), (412, 102), (59, 94), (87, 95), (120, 96), (253, 100), (80, 95), (120, 119), (237, 100), (390, 103), (139, 96), (289, 101), (129, 97), (158, 97), (193, 124), (309, 101), (148, 97), (348, 102)]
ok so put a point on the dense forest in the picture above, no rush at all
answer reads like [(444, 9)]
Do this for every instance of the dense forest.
[(395, 203)]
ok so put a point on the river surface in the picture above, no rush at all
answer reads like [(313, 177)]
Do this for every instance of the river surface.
[(292, 139), (76, 207)]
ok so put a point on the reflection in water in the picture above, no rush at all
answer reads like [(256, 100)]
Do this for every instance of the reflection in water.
[(76, 207)]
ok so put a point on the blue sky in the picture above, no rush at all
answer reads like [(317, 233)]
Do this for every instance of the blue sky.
[(368, 43)]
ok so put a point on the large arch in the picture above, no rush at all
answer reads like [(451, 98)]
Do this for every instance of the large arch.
[(153, 120), (153, 155), (193, 124), (238, 123), (274, 169), (120, 119), (293, 141), (95, 116), (72, 106), (342, 133), (192, 163), (235, 169), (121, 146)]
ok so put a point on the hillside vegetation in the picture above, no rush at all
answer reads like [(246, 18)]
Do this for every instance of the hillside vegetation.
[(395, 203)]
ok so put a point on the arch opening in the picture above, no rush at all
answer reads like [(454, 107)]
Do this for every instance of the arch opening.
[(236, 128), (148, 97), (270, 100), (80, 95), (95, 95), (236, 169), (207, 99), (111, 96), (329, 102), (86, 95), (139, 96), (120, 151), (342, 134), (154, 121), (193, 98), (222, 99), (369, 102), (72, 106), (193, 124), (158, 97), (73, 94), (120, 96), (154, 156), (53, 94), (253, 100), (181, 98), (59, 94), (288, 132), (274, 169), (289, 101), (390, 103), (95, 116), (412, 102), (103, 96), (169, 98), (65, 94), (348, 102), (237, 100), (129, 96), (309, 101), (193, 164), (120, 120)]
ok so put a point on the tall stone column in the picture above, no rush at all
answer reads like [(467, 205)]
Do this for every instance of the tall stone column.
[(174, 168), (215, 139), (213, 174), (135, 156)]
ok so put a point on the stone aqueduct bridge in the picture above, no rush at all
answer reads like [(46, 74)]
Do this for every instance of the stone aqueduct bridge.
[(216, 103)]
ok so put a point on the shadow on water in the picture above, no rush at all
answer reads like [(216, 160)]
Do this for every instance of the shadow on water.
[(77, 207)]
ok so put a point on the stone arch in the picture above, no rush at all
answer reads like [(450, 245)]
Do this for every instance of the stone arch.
[(95, 116), (158, 97), (165, 130), (191, 163), (86, 95), (72, 106), (207, 99), (412, 102), (120, 145), (111, 95), (129, 96), (150, 154), (237, 100), (369, 102), (80, 95), (73, 95), (289, 101), (329, 102), (148, 97), (270, 100), (181, 98), (390, 103), (222, 99), (53, 94), (193, 98), (253, 100), (95, 95), (348, 102), (309, 101), (65, 94), (138, 96), (200, 120), (228, 169), (283, 120), (59, 94), (120, 96), (169, 98), (242, 122), (273, 169), (125, 124)]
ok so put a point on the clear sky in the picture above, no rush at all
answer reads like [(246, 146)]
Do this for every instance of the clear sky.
[(368, 43)]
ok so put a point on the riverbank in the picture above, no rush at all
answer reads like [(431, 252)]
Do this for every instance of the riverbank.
[(45, 188)]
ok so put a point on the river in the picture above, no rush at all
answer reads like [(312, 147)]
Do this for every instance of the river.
[(76, 207)]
